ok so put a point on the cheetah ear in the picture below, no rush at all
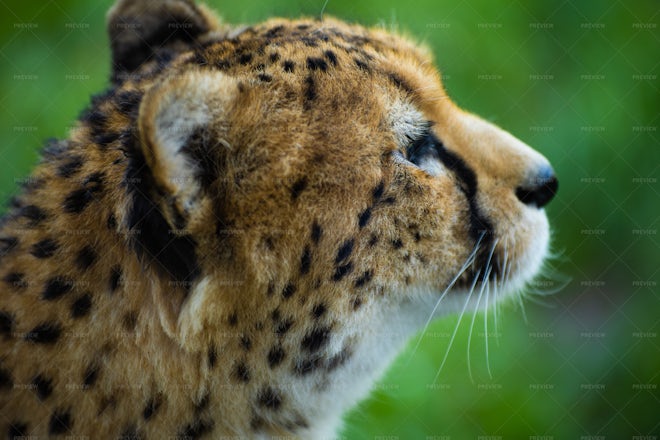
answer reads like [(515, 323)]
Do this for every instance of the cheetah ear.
[(181, 125), (144, 30)]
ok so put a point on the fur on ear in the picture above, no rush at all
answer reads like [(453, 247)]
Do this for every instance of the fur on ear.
[(179, 137), (144, 30)]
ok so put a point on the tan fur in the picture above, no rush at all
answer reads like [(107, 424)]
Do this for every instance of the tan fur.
[(277, 334)]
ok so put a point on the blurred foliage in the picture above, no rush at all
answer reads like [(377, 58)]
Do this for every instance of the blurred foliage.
[(577, 81)]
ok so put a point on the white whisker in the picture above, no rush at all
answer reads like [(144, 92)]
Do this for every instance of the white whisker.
[(474, 316), (460, 317)]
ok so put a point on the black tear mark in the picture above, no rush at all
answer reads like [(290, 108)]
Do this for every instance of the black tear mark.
[(345, 251), (316, 339), (44, 333)]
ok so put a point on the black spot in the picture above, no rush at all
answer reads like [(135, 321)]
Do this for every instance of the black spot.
[(342, 271), (70, 167), (270, 398), (330, 56), (310, 92), (246, 343), (212, 356), (288, 290), (86, 257), (196, 429), (77, 200), (128, 102), (305, 261), (152, 406), (274, 31), (33, 213), (45, 248), (344, 251), (44, 333), (6, 324), (357, 302), (81, 306), (319, 310), (373, 240), (7, 244), (276, 356), (378, 191), (288, 66), (17, 431), (316, 339), (130, 433), (306, 366), (274, 57), (298, 187), (90, 375), (283, 326), (391, 200), (397, 244), (245, 58), (242, 373), (115, 278), (364, 217), (6, 381), (60, 422), (233, 319), (361, 65), (43, 386), (364, 279), (317, 64), (400, 83), (316, 233), (338, 360), (264, 77), (56, 287), (112, 222), (16, 280), (202, 404)]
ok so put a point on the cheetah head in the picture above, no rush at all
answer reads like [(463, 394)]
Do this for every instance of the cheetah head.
[(314, 191)]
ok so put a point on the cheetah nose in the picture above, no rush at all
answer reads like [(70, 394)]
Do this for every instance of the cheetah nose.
[(540, 189)]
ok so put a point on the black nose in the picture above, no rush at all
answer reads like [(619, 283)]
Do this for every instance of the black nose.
[(540, 189)]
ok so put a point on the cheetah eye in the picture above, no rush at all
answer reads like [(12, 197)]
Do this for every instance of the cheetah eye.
[(422, 151)]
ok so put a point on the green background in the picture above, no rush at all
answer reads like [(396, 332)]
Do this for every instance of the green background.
[(577, 81)]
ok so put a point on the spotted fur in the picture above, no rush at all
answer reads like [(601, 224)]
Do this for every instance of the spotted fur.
[(246, 226)]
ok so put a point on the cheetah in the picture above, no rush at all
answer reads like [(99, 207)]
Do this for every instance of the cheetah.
[(245, 228)]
